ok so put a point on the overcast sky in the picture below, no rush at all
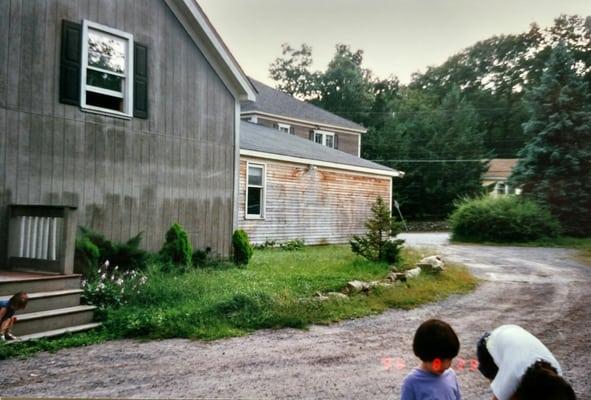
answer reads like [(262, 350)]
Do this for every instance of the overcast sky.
[(398, 37)]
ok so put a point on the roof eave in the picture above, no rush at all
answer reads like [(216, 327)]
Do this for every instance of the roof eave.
[(300, 160)]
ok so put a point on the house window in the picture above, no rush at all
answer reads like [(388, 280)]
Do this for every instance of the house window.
[(255, 191), (107, 69), (324, 138), (284, 128)]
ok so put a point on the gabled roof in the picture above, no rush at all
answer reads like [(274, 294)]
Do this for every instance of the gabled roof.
[(257, 140), (200, 29), (499, 168), (277, 103)]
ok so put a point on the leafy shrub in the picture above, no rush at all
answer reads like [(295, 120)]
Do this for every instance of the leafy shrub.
[(377, 244), (292, 245), (176, 251), (502, 219), (110, 287), (93, 249), (242, 248)]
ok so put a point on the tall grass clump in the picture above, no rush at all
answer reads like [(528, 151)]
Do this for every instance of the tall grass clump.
[(502, 219)]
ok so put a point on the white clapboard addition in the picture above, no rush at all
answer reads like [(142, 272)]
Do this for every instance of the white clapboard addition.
[(39, 237)]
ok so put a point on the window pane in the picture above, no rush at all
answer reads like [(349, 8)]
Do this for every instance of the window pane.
[(254, 201), (329, 141), (318, 138), (255, 176), (104, 80), (104, 101), (106, 51)]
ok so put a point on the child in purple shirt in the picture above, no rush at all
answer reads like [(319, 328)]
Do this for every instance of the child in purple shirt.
[(436, 344)]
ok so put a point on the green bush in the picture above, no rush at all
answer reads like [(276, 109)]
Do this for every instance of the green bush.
[(502, 219), (176, 251), (201, 257), (242, 248), (93, 249)]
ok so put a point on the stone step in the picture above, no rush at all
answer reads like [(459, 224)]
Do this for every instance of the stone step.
[(55, 332), (40, 283), (50, 320), (43, 301)]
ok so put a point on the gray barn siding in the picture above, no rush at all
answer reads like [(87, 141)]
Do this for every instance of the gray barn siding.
[(319, 206), (125, 176)]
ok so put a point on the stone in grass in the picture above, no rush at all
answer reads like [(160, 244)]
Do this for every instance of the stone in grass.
[(432, 264), (413, 273), (337, 295), (357, 286)]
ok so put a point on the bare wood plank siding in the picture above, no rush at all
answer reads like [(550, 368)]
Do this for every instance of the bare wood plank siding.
[(125, 176), (319, 206), (348, 142)]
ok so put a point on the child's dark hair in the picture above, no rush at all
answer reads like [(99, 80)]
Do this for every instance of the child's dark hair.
[(435, 339), (542, 382), (18, 301)]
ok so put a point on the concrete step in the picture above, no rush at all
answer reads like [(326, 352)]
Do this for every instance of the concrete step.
[(43, 301), (50, 320), (55, 332), (41, 283)]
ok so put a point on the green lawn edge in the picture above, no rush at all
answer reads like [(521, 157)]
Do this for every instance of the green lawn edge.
[(275, 291)]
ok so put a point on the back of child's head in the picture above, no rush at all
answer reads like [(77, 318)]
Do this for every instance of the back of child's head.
[(542, 382), (19, 301), (435, 339)]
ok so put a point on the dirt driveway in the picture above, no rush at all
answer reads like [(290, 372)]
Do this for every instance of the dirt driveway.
[(544, 290)]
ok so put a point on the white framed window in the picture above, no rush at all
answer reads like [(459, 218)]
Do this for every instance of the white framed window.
[(324, 138), (107, 70), (284, 127), (255, 190)]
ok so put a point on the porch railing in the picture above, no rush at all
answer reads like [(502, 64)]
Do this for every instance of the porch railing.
[(42, 238)]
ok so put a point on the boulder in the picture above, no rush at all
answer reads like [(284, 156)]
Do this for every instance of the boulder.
[(357, 286), (396, 277), (337, 295), (432, 264), (413, 273)]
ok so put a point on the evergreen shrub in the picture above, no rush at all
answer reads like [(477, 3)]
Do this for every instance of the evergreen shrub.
[(502, 219), (177, 252), (242, 247)]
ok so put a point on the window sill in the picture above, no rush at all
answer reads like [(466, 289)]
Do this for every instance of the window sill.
[(104, 112), (254, 217)]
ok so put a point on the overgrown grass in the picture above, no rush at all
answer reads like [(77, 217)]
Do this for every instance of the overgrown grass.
[(276, 290)]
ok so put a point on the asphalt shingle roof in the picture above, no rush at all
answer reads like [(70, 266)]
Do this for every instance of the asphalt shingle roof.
[(273, 101), (259, 138)]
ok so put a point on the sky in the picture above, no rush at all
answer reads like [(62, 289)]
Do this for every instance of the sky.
[(398, 37)]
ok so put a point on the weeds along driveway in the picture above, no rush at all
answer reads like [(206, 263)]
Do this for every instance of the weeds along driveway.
[(544, 290)]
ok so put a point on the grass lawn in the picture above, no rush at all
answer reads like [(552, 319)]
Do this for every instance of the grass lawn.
[(275, 291)]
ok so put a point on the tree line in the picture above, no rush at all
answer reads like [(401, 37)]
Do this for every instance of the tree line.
[(487, 101)]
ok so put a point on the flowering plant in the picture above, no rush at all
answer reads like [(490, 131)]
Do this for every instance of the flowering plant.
[(111, 288)]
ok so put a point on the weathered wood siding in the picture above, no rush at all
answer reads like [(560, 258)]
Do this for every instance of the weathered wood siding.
[(348, 142), (125, 176), (319, 206)]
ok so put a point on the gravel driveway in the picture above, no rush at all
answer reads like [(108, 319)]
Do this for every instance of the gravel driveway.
[(544, 290)]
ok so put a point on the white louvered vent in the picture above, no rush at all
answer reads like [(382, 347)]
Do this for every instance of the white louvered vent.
[(39, 237)]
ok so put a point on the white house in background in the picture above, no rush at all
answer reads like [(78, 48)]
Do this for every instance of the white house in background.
[(497, 175)]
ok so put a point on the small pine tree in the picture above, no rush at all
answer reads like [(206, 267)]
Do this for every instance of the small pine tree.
[(242, 247), (177, 248), (555, 168), (376, 244)]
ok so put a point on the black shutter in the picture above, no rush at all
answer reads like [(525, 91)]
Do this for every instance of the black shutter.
[(70, 61), (311, 135), (291, 130), (336, 141), (275, 125), (140, 81)]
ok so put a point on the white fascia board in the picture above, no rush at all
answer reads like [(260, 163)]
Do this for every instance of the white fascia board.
[(298, 160), (200, 30), (311, 124)]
